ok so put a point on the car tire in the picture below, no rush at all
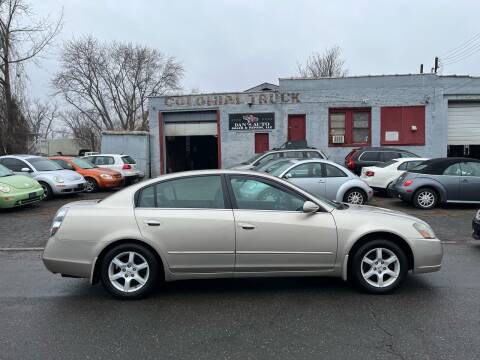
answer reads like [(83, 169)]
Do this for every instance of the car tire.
[(47, 191), (372, 273), (355, 196), (91, 185), (425, 198), (122, 276)]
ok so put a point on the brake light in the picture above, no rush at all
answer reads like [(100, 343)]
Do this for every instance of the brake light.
[(126, 167), (369, 173), (351, 164), (408, 183)]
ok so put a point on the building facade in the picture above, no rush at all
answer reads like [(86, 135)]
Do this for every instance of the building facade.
[(424, 113)]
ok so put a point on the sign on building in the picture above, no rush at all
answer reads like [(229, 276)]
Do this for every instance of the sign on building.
[(257, 121)]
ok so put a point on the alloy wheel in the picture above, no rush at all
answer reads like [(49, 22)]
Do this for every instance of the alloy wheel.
[(128, 271), (426, 199), (89, 186), (355, 198), (380, 267)]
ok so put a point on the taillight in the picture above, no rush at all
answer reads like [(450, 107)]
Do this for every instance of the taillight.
[(408, 183), (369, 173), (351, 164), (126, 167)]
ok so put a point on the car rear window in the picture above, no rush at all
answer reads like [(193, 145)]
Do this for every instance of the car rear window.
[(370, 156), (128, 160)]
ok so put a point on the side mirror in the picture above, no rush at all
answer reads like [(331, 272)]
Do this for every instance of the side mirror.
[(287, 176), (310, 207), (25, 170)]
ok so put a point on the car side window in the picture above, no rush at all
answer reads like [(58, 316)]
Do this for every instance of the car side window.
[(293, 155), (389, 155), (333, 171), (267, 158), (412, 164), (403, 166), (313, 155), (470, 168), (453, 170), (369, 156), (256, 194), (14, 164), (308, 170), (199, 192)]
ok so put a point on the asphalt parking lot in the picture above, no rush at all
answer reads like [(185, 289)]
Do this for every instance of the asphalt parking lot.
[(433, 316)]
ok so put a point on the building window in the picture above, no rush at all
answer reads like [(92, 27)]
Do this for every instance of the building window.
[(349, 127), (402, 125)]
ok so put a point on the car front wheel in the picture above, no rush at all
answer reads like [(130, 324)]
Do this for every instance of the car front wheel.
[(425, 199), (129, 271), (91, 185), (379, 266), (47, 191)]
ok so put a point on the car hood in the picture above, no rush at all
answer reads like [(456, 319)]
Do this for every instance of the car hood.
[(373, 211), (19, 182), (66, 174), (241, 167)]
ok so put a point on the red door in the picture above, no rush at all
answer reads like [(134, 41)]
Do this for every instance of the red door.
[(296, 127), (261, 142)]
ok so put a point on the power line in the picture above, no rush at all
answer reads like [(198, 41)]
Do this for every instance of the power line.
[(461, 47), (462, 56)]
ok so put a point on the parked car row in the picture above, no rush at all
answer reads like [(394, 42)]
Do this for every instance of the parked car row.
[(22, 175)]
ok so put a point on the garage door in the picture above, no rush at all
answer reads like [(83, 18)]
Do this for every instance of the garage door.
[(463, 124), (190, 129)]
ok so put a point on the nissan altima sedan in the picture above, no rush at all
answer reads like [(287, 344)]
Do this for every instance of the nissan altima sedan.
[(223, 224)]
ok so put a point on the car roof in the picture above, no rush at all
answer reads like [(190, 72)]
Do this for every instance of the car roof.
[(304, 161), (438, 165), (106, 155), (290, 150), (21, 156), (411, 159), (382, 148)]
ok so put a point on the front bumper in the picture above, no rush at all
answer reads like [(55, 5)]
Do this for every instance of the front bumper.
[(427, 254), (69, 187), (25, 197), (107, 184)]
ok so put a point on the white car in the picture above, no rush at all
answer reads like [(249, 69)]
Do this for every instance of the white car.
[(379, 177), (124, 164)]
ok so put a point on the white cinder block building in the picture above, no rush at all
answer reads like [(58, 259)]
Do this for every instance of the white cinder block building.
[(427, 114)]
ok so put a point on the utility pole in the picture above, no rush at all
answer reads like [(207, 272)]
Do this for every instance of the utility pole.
[(436, 64), (421, 68)]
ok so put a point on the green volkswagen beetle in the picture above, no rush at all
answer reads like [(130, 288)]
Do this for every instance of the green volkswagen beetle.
[(18, 190)]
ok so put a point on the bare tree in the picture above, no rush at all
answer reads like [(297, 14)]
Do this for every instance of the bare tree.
[(109, 83), (41, 117), (80, 126), (328, 64), (22, 38)]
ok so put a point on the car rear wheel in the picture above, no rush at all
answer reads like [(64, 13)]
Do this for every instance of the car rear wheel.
[(129, 271), (425, 199), (47, 190), (91, 185), (379, 266), (355, 197)]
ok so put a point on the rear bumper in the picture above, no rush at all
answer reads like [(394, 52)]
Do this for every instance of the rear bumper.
[(476, 229), (428, 254)]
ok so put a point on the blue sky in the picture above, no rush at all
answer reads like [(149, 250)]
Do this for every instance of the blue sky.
[(234, 45)]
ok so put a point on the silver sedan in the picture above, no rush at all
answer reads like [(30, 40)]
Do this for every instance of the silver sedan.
[(225, 224), (324, 178)]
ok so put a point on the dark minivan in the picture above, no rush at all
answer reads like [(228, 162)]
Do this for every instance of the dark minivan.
[(371, 156)]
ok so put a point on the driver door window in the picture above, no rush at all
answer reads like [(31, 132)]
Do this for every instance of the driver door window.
[(256, 194)]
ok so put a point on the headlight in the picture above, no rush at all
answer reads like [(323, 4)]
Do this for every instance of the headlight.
[(477, 217), (4, 188), (57, 220), (58, 179), (424, 230), (106, 176)]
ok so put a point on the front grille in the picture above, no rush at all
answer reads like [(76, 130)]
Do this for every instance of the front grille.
[(28, 201)]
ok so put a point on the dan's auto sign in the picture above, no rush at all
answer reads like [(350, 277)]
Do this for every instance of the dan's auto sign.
[(257, 121)]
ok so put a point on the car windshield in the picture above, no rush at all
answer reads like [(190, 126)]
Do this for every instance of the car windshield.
[(83, 164), (252, 159), (42, 164), (388, 163), (275, 166), (281, 168), (4, 171)]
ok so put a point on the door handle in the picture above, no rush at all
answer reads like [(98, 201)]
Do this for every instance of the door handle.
[(321, 181), (246, 226), (152, 222), (465, 181)]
